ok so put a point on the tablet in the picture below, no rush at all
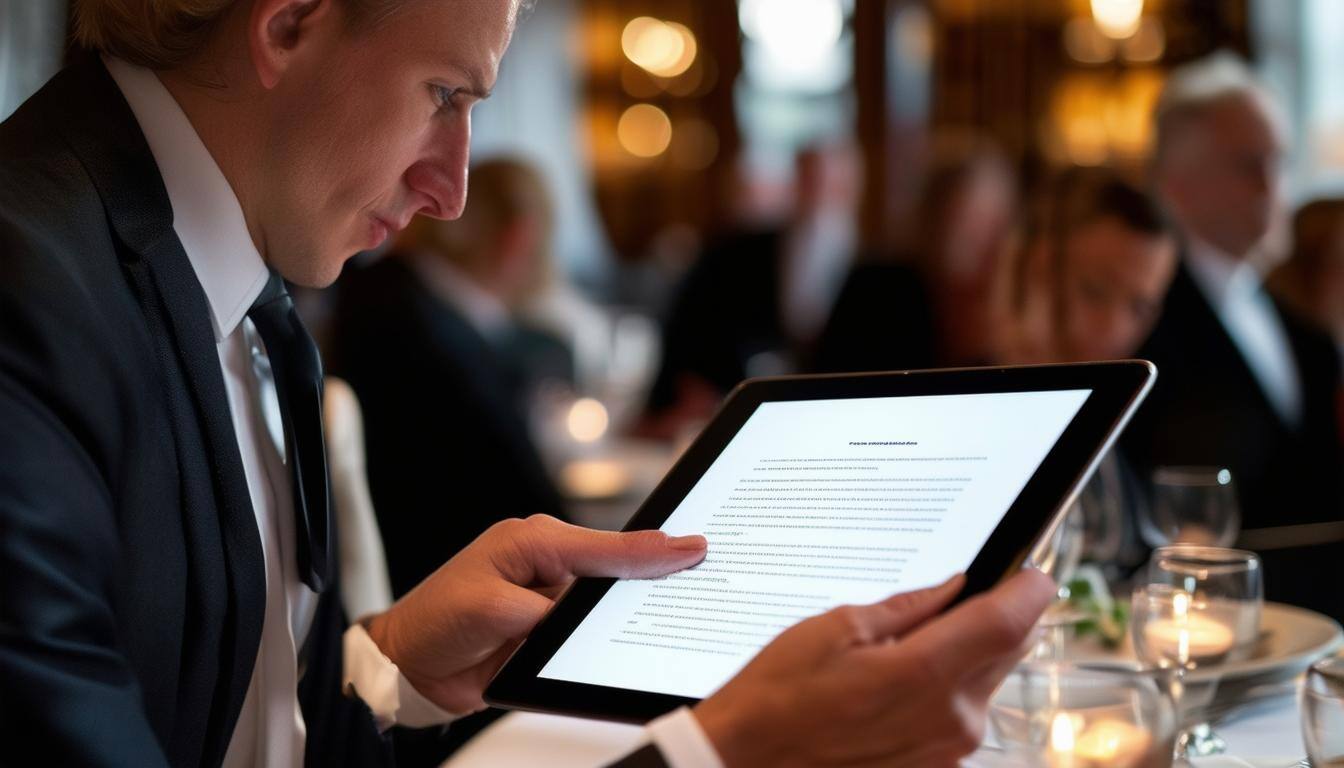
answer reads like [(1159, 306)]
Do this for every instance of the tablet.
[(818, 491)]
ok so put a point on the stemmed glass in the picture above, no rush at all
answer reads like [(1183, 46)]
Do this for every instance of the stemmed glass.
[(1057, 555), (1323, 712), (1194, 608), (1191, 505), (1061, 715), (1059, 552)]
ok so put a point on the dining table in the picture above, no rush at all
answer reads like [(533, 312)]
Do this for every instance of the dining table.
[(1266, 735)]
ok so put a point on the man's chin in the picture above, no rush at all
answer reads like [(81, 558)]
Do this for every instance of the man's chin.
[(316, 273)]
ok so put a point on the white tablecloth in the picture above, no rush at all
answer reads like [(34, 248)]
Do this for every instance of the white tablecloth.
[(1268, 737)]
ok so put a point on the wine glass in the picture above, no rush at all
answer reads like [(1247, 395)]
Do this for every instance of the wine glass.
[(1191, 505), (1323, 712), (1057, 555), (1056, 714), (1059, 552), (1195, 608)]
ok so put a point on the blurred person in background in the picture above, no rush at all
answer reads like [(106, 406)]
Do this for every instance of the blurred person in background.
[(1243, 382), (929, 304), (1086, 284), (428, 339), (1311, 281), (755, 300)]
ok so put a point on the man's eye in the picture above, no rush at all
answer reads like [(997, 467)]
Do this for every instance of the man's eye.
[(445, 97)]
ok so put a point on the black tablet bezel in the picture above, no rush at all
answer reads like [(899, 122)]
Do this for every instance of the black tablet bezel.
[(1117, 388)]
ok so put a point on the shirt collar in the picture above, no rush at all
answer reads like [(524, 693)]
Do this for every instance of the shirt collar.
[(1223, 279), (482, 309), (206, 214)]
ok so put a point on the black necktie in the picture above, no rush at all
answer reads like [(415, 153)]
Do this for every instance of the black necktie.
[(297, 369)]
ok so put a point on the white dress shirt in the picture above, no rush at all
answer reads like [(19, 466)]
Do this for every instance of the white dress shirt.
[(208, 220), (1233, 287), (817, 255)]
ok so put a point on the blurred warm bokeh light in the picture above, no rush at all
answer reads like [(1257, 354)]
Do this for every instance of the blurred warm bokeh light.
[(644, 130)]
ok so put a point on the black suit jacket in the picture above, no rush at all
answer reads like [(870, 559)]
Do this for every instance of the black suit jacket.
[(132, 586), (131, 575), (726, 311), (883, 320), (448, 449), (1208, 409)]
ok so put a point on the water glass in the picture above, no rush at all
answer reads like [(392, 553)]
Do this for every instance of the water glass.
[(1323, 712), (1058, 715), (1193, 608), (1191, 505)]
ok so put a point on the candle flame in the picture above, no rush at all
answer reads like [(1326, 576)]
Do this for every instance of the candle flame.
[(1108, 745), (1062, 733), (1180, 605)]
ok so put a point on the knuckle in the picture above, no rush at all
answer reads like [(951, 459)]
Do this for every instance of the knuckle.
[(511, 525), (541, 521), (905, 602), (970, 731), (848, 619), (648, 538), (507, 529)]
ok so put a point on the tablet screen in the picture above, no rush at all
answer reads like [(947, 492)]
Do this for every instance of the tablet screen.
[(814, 504)]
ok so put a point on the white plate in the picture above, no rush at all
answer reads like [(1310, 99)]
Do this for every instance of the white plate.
[(1292, 638)]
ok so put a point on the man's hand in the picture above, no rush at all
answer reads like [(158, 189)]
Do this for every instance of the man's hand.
[(886, 684), (452, 633)]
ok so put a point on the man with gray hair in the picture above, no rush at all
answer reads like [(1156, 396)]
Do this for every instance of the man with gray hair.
[(1243, 384)]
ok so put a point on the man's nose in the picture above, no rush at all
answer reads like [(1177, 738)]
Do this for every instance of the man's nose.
[(440, 175)]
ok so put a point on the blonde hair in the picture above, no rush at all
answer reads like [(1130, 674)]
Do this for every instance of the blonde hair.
[(161, 34)]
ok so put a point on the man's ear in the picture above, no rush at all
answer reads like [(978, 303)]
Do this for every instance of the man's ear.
[(276, 29)]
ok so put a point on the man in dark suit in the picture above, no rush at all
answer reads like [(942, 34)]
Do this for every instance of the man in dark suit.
[(166, 595), (1242, 384), (755, 301), (927, 304), (427, 336)]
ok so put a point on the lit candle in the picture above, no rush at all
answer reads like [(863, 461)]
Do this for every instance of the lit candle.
[(1063, 739), (1114, 744), (1185, 638), (1103, 744)]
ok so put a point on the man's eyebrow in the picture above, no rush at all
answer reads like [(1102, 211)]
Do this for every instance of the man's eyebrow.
[(475, 80)]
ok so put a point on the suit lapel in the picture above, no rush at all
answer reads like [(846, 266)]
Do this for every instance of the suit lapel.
[(102, 131), (1204, 325), (188, 320)]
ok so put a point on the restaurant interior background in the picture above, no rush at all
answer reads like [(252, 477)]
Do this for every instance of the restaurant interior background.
[(658, 124), (668, 136)]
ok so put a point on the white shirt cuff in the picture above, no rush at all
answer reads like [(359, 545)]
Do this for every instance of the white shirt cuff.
[(682, 742), (379, 683)]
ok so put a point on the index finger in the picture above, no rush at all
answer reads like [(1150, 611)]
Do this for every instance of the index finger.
[(542, 550)]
